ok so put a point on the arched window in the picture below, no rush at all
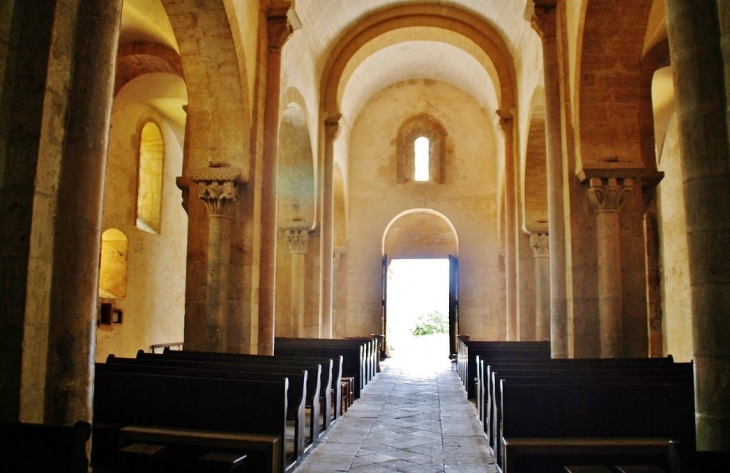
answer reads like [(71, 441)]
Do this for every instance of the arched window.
[(113, 266), (149, 179), (421, 150)]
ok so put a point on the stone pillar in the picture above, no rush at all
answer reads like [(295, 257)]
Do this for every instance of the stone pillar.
[(607, 197), (541, 251), (77, 234), (298, 239), (279, 30), (331, 131), (545, 23), (695, 46), (217, 190), (505, 123)]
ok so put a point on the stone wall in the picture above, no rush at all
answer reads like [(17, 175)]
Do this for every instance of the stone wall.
[(153, 309), (467, 198)]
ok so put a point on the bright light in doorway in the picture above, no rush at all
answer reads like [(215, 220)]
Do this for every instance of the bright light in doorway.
[(417, 288)]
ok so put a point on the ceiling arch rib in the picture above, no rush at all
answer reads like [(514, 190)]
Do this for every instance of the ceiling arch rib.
[(402, 18)]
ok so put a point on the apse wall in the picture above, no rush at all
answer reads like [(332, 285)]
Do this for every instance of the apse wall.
[(467, 197)]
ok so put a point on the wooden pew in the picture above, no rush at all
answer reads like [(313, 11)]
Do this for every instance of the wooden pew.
[(680, 373), (39, 447), (601, 370), (296, 394), (250, 413), (352, 357), (311, 391), (485, 389), (491, 353), (541, 424), (463, 357), (331, 372), (367, 356)]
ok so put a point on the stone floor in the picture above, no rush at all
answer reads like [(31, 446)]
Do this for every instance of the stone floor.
[(412, 419)]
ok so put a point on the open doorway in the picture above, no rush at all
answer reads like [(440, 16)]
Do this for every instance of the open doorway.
[(418, 309)]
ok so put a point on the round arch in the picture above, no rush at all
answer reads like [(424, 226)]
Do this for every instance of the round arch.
[(442, 223), (608, 74), (213, 43), (443, 17), (534, 168), (296, 176)]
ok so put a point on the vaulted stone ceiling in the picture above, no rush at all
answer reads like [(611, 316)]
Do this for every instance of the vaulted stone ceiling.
[(437, 54)]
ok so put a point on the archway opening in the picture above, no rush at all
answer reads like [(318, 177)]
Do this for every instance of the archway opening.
[(418, 310)]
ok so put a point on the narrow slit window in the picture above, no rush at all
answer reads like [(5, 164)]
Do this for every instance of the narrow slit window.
[(422, 159)]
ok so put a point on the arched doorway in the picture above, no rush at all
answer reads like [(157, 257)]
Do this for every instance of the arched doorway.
[(420, 284)]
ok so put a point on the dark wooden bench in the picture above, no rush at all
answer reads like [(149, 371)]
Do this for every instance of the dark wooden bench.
[(485, 387), (38, 447), (600, 372), (462, 357), (297, 393), (352, 358), (330, 376), (213, 442), (549, 425), (367, 355), (516, 350), (254, 365), (244, 409)]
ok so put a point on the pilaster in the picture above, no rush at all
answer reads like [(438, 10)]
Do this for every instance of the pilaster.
[(506, 123), (331, 132)]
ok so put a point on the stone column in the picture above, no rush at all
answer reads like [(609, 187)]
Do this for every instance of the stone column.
[(545, 23), (607, 197), (505, 123), (695, 46), (331, 131), (217, 189), (278, 30), (541, 251), (77, 233), (298, 239)]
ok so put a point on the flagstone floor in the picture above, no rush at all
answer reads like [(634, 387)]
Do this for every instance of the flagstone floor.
[(413, 418)]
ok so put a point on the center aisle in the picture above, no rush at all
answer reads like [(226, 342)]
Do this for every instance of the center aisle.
[(409, 419)]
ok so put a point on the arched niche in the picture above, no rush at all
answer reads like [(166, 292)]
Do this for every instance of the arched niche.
[(296, 200), (535, 177), (420, 233), (113, 265)]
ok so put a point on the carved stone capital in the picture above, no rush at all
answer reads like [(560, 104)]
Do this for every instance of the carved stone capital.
[(297, 237), (506, 121), (540, 243), (609, 194), (541, 15), (217, 195), (279, 29), (332, 127)]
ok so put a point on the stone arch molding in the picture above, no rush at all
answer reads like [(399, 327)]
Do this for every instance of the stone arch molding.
[(410, 212), (483, 34), (214, 65)]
